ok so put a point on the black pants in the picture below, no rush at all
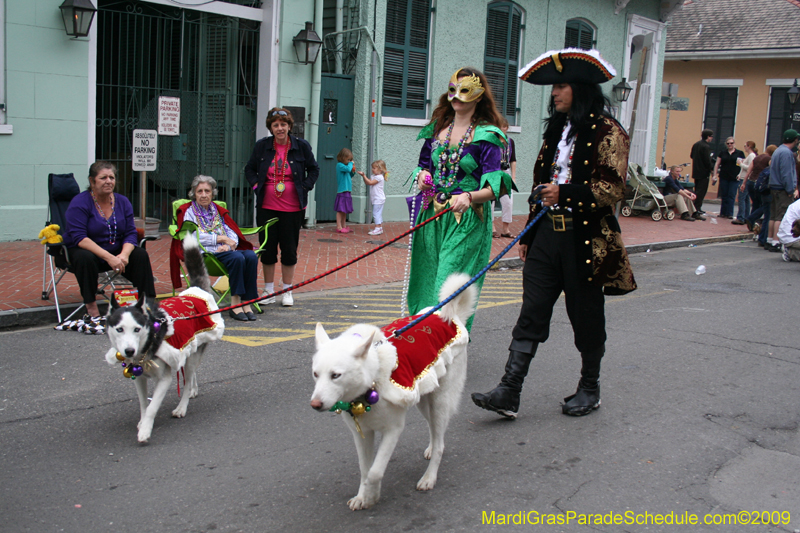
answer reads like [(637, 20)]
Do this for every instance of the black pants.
[(700, 190), (86, 266), (285, 232), (551, 267)]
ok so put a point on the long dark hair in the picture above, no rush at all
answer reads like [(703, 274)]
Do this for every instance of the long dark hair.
[(485, 112), (587, 99)]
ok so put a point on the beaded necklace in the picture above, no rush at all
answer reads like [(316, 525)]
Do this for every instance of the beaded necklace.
[(449, 158), (111, 221), (208, 219), (280, 173)]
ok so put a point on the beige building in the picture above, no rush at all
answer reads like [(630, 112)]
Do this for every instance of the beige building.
[(734, 69)]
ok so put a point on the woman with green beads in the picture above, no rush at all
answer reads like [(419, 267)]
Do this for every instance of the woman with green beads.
[(459, 167)]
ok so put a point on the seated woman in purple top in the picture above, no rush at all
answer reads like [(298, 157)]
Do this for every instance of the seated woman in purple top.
[(101, 236)]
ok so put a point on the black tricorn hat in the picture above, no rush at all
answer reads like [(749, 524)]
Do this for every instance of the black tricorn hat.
[(571, 65)]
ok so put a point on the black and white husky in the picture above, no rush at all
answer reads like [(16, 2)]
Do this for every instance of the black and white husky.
[(148, 342)]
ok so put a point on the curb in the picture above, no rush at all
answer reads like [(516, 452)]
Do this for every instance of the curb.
[(42, 316)]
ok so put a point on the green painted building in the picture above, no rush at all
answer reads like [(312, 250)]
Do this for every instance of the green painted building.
[(65, 102)]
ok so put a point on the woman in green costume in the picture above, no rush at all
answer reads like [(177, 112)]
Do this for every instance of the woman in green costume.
[(459, 167)]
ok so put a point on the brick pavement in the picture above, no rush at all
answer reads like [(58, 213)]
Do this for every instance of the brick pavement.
[(321, 248)]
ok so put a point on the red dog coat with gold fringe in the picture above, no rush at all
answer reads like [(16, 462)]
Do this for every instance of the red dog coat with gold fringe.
[(419, 349), (186, 330)]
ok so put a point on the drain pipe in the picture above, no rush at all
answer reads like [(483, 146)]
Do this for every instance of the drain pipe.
[(313, 117)]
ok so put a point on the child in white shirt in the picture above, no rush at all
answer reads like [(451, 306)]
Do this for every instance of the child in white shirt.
[(376, 194)]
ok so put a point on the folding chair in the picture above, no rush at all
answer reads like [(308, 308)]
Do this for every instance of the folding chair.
[(62, 188), (213, 265)]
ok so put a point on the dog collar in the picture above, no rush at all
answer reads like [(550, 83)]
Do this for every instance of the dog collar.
[(358, 407), (133, 369)]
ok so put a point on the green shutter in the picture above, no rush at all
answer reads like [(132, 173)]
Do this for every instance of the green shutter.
[(579, 34), (501, 56), (405, 69)]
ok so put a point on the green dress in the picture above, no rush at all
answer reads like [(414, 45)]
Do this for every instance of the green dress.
[(456, 242)]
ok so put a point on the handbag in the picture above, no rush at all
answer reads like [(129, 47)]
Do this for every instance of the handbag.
[(762, 182)]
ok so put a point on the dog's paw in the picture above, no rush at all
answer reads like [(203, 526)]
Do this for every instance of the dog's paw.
[(193, 392), (179, 412), (427, 482), (427, 453), (358, 503), (144, 436)]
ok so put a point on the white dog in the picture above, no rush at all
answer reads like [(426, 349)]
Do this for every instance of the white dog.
[(150, 344), (373, 378)]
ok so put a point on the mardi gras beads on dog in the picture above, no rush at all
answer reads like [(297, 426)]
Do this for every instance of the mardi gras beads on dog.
[(130, 370)]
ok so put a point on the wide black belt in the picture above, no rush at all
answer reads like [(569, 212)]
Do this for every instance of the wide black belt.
[(560, 221)]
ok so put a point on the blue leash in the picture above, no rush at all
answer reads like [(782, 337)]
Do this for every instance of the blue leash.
[(475, 278)]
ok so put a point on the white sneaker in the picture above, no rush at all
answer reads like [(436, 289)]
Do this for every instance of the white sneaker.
[(376, 231), (268, 300), (786, 254), (287, 300)]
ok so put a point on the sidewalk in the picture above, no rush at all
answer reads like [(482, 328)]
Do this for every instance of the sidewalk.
[(321, 248)]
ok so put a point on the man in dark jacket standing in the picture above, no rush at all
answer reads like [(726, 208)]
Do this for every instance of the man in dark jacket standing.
[(702, 167), (577, 247)]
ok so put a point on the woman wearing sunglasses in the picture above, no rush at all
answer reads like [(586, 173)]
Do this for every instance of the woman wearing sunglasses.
[(281, 170)]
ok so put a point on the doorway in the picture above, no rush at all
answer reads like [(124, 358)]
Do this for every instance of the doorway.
[(335, 133)]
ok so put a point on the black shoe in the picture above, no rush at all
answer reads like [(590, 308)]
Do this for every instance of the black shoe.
[(774, 248), (738, 221), (584, 401), (698, 216), (242, 317), (504, 399), (251, 316), (685, 216)]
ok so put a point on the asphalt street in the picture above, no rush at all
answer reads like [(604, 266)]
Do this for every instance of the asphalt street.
[(699, 416)]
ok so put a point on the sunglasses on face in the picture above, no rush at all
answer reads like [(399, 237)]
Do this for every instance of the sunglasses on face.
[(280, 113), (730, 143)]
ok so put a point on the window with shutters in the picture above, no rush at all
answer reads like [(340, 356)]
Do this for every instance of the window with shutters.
[(780, 115), (501, 59), (720, 114), (580, 34), (405, 68)]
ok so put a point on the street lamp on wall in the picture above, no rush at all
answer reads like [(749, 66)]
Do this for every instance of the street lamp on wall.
[(622, 90), (793, 93), (77, 15), (307, 44)]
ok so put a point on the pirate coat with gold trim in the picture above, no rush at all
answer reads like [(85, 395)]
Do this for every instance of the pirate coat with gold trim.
[(599, 169)]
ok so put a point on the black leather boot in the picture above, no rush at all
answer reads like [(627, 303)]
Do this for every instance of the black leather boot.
[(587, 398), (504, 399)]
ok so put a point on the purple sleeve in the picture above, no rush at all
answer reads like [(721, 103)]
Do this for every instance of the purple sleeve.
[(77, 218), (425, 156), (489, 157)]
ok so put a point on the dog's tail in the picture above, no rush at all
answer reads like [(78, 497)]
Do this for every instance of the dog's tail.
[(198, 275), (463, 305)]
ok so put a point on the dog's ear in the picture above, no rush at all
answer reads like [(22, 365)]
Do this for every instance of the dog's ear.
[(113, 301), (321, 336), (140, 301), (363, 349)]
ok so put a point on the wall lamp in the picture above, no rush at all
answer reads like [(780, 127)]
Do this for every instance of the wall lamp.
[(793, 93), (77, 15), (622, 90), (307, 44)]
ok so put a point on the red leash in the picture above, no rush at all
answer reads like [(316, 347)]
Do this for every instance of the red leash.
[(320, 276)]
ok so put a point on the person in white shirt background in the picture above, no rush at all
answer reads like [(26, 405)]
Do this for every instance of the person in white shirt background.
[(376, 195)]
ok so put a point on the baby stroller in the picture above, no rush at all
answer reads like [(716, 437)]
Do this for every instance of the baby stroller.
[(646, 197)]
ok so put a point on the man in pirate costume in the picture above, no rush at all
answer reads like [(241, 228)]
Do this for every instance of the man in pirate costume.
[(576, 247)]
